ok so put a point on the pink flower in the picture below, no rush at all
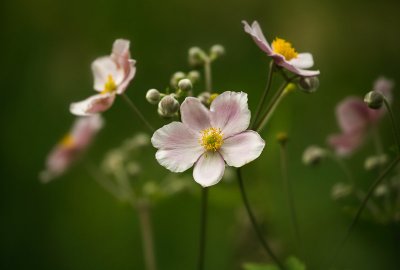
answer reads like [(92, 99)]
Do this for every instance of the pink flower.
[(355, 118), (112, 75), (282, 52), (207, 138), (71, 146)]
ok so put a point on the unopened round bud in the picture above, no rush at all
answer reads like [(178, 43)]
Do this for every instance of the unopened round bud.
[(341, 190), (204, 98), (168, 106), (313, 155), (374, 100), (196, 56), (194, 76), (217, 50), (381, 190), (185, 85), (374, 162), (309, 84), (282, 138), (153, 96), (176, 77)]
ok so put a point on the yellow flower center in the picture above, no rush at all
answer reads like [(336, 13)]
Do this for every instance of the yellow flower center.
[(67, 141), (284, 48), (211, 139), (109, 86)]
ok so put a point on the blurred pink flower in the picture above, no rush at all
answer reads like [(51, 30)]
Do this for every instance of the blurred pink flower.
[(71, 146), (209, 138), (112, 75), (282, 52), (355, 118)]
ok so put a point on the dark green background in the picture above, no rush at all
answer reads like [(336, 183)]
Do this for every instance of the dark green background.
[(47, 47)]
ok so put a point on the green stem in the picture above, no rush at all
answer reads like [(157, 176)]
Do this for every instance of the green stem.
[(207, 74), (203, 227), (370, 191), (254, 222), (138, 113), (394, 125), (265, 93), (106, 184), (289, 194)]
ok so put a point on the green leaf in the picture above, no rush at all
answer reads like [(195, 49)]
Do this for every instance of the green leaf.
[(292, 263), (253, 266)]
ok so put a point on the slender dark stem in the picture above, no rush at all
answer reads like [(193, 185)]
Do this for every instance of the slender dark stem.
[(203, 227), (362, 207), (394, 125), (207, 75), (143, 209), (265, 93), (254, 222), (138, 113), (289, 194)]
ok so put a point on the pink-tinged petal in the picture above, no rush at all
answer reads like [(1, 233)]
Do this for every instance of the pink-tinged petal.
[(242, 148), (85, 128), (120, 50), (298, 71), (104, 67), (58, 161), (352, 115), (178, 145), (230, 113), (92, 105), (346, 143), (131, 71), (194, 114), (209, 169), (256, 33), (303, 60), (385, 87)]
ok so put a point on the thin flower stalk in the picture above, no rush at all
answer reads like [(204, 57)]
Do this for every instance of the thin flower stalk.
[(394, 124), (137, 112)]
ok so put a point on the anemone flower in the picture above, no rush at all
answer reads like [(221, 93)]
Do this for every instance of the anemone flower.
[(71, 146), (112, 75), (355, 118), (282, 52), (209, 138)]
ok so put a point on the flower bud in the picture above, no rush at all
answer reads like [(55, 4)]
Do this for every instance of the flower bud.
[(176, 77), (194, 76), (196, 56), (216, 51), (282, 138), (374, 100), (313, 155), (185, 85), (153, 96), (341, 190), (204, 98), (309, 84), (381, 190), (168, 106), (374, 162)]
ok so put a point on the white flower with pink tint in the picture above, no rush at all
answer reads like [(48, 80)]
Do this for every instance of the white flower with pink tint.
[(209, 138), (355, 118), (71, 146), (112, 75), (282, 52)]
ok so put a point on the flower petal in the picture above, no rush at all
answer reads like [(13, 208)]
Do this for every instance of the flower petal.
[(384, 86), (298, 71), (352, 114), (256, 33), (194, 114), (92, 105), (131, 71), (209, 169), (104, 67), (230, 113), (242, 148), (84, 130), (178, 146), (346, 143), (303, 60)]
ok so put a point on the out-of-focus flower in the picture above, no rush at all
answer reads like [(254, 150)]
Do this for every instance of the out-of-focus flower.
[(112, 75), (71, 146), (282, 52), (341, 190), (374, 162), (313, 155), (209, 138), (354, 118)]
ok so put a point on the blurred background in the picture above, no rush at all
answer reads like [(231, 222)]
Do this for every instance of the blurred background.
[(72, 223)]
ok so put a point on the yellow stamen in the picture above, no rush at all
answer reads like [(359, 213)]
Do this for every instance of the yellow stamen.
[(67, 141), (109, 86), (213, 96), (211, 139), (284, 48)]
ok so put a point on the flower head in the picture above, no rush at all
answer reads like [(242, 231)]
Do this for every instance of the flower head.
[(355, 118), (112, 75), (71, 146), (209, 138), (282, 52)]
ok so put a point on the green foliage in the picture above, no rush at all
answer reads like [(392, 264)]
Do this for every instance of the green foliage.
[(291, 263)]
